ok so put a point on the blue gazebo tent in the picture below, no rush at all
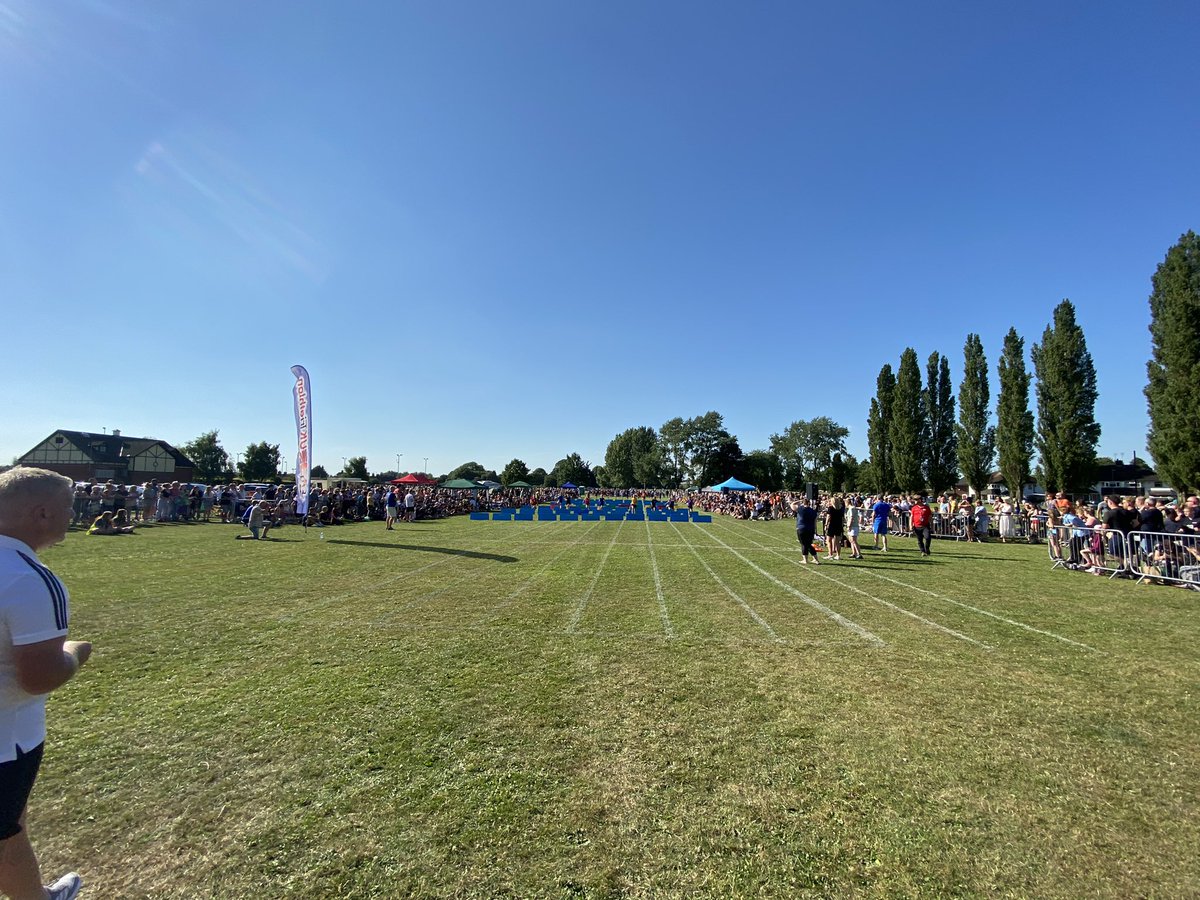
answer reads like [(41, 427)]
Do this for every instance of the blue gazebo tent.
[(731, 484)]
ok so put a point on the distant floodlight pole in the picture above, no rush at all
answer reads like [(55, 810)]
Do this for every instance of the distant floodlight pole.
[(398, 455), (426, 470)]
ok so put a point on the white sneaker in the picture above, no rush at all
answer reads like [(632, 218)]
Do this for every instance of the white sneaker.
[(66, 888)]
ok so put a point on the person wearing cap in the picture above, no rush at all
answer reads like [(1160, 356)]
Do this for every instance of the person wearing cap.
[(35, 659)]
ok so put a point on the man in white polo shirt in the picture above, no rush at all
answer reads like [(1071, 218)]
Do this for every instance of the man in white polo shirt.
[(35, 658)]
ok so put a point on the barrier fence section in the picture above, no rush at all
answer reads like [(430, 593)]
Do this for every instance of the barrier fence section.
[(953, 527), (1090, 549), (1159, 558), (1152, 557)]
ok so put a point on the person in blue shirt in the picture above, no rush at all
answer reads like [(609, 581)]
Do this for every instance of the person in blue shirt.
[(879, 521), (806, 529)]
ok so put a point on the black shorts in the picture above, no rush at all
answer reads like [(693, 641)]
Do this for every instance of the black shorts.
[(16, 783)]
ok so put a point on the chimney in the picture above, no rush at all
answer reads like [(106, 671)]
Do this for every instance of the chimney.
[(116, 432)]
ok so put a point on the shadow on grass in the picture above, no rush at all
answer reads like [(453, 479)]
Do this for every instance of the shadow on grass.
[(990, 559), (891, 565), (472, 554)]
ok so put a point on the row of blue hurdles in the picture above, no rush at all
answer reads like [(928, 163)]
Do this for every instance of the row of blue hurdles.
[(578, 511)]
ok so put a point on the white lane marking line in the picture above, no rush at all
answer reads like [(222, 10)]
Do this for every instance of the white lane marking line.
[(577, 613), (976, 609), (892, 606), (376, 586), (472, 576), (820, 607), (984, 612), (717, 578), (520, 588), (662, 602)]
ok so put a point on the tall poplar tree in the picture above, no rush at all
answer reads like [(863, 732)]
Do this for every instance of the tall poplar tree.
[(941, 447), (976, 437), (878, 427), (1014, 421), (1173, 393), (1067, 430), (909, 427)]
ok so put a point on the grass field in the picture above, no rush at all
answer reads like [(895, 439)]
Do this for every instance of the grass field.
[(615, 710)]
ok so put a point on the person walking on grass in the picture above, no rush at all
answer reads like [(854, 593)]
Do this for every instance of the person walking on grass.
[(835, 524), (879, 521), (35, 659), (853, 521), (806, 530), (922, 517), (390, 508)]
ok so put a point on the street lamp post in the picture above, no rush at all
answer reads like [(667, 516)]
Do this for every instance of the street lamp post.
[(426, 472), (398, 456)]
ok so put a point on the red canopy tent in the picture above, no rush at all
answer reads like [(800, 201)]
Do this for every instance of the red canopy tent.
[(413, 478)]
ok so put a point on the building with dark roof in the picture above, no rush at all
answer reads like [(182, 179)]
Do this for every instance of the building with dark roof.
[(83, 456), (1131, 478)]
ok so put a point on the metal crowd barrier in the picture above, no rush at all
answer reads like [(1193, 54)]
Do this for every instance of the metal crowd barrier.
[(1093, 550), (952, 527), (1153, 557), (1165, 558)]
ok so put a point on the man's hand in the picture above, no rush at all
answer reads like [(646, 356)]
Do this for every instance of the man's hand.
[(42, 667), (81, 650)]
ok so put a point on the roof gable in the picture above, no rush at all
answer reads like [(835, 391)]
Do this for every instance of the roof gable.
[(109, 448)]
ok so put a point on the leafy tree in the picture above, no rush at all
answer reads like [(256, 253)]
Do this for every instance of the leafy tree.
[(842, 474), (356, 467), (472, 471), (909, 427), (713, 453), (1067, 430), (976, 438), (318, 472), (1173, 391), (211, 460), (673, 441), (573, 470), (260, 462), (704, 436), (807, 447), (516, 470), (633, 459), (537, 477), (721, 460), (879, 428), (1014, 421), (762, 469), (941, 448)]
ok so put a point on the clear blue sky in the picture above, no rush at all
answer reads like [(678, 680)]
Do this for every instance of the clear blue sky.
[(515, 229)]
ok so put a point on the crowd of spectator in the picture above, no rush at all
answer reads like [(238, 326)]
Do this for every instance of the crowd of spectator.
[(100, 506), (1081, 536)]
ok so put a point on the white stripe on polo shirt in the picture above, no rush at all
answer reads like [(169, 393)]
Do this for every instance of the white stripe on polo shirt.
[(34, 606)]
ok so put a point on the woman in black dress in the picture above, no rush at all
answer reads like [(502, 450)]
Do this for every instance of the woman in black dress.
[(835, 527)]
